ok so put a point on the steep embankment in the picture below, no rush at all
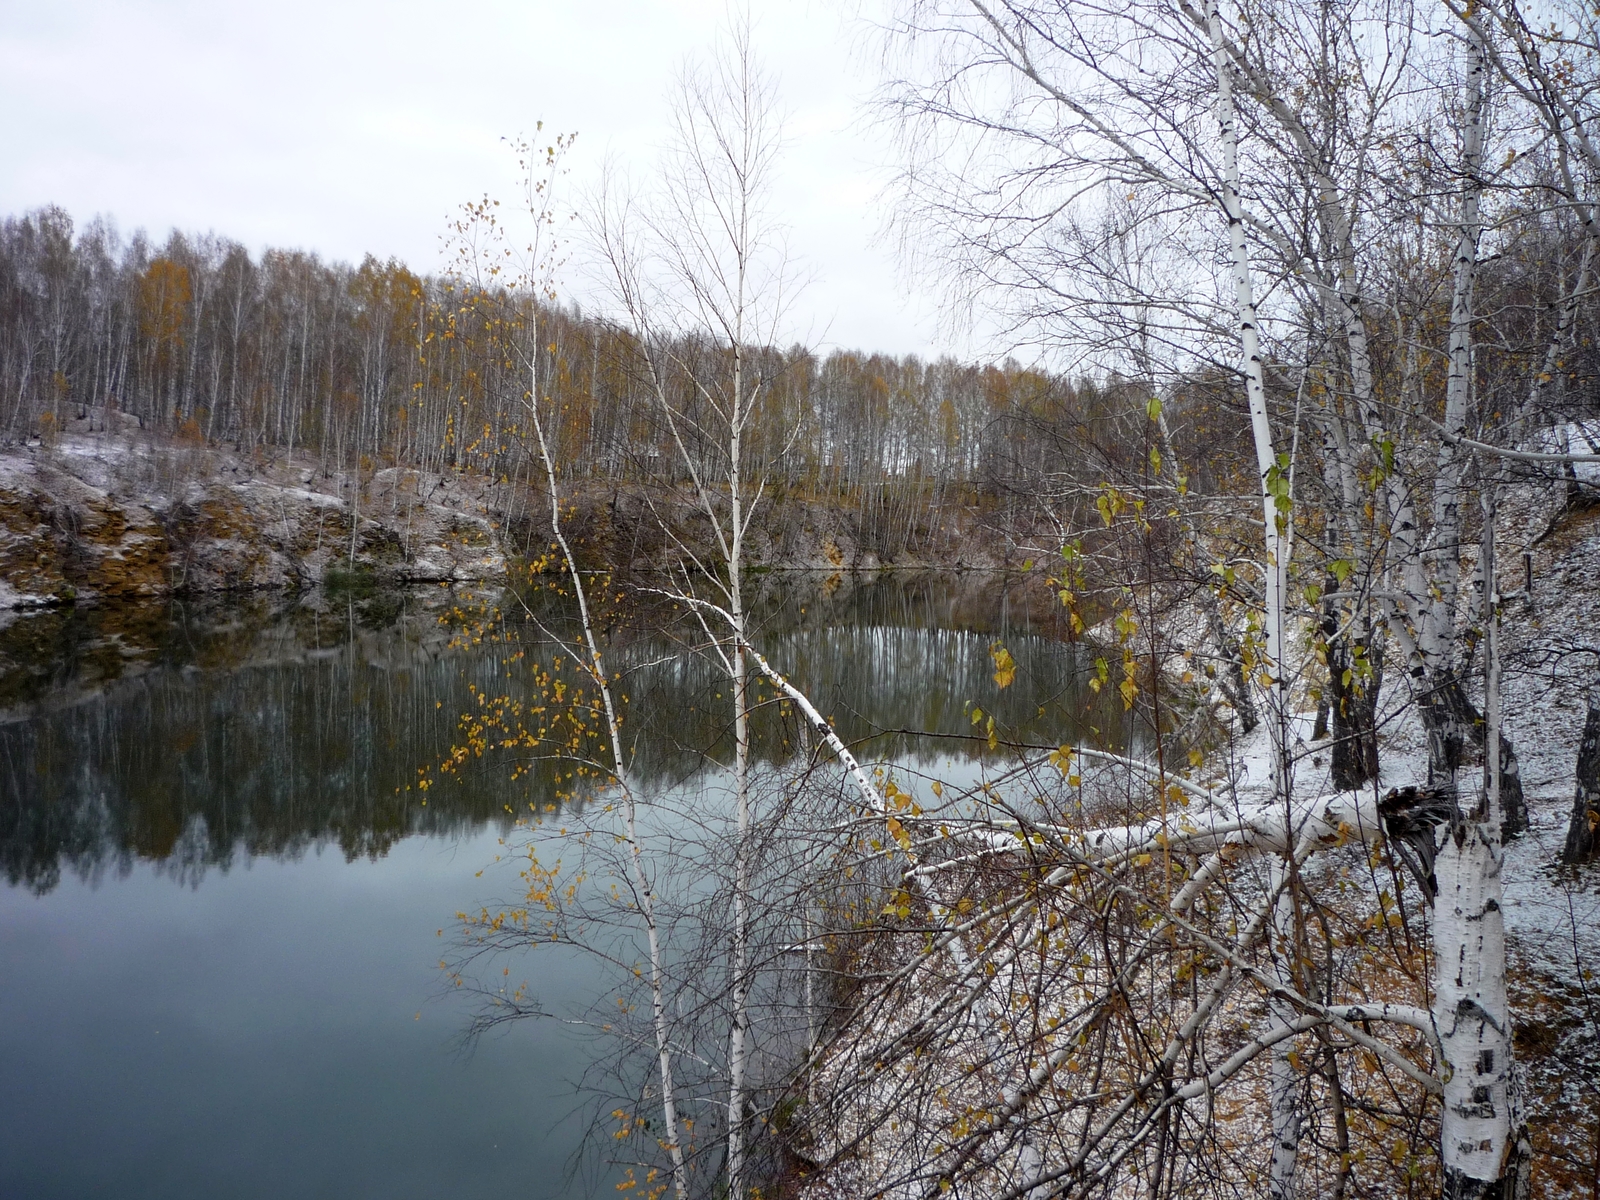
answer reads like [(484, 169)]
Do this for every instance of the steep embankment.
[(98, 515), (102, 516)]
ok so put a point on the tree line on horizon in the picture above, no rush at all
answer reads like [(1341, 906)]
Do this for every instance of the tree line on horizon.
[(374, 366)]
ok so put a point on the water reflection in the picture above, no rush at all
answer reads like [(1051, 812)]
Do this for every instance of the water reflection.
[(192, 736), (242, 731), (274, 1033)]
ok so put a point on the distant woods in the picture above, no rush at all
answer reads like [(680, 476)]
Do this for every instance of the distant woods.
[(373, 366)]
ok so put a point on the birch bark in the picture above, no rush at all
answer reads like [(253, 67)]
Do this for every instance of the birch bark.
[(1275, 507), (711, 267), (1482, 1144), (739, 1032), (1443, 708)]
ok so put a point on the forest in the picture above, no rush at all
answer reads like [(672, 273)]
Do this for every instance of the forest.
[(373, 366)]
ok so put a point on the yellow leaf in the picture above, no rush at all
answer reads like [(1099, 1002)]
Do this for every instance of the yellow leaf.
[(1005, 667), (898, 832)]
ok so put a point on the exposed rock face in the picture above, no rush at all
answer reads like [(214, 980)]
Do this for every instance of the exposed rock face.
[(109, 516), (119, 514)]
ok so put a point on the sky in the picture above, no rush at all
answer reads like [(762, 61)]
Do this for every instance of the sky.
[(355, 126)]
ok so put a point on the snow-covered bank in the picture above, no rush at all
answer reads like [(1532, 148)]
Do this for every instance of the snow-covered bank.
[(1092, 990)]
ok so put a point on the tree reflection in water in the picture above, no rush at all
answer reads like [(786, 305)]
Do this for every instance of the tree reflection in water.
[(192, 735)]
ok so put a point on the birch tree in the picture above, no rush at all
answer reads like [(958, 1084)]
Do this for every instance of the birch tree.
[(702, 258)]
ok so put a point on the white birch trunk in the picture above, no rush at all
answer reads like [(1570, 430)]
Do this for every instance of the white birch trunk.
[(709, 244), (1283, 1078), (1265, 827), (1285, 1111), (1438, 627), (738, 1036), (671, 1128), (1480, 1128), (1341, 292), (1480, 1140), (1276, 521)]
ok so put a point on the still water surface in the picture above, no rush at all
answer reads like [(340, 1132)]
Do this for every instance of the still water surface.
[(219, 925)]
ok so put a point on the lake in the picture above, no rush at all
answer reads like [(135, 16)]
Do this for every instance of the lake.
[(226, 905)]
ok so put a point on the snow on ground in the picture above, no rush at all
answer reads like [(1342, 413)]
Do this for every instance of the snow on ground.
[(1551, 652), (1552, 914)]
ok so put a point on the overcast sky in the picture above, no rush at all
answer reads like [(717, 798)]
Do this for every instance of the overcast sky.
[(355, 126)]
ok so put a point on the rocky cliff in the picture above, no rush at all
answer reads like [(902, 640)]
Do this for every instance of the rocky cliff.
[(104, 516), (92, 514)]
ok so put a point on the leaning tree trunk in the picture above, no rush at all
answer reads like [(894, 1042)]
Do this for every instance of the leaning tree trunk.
[(1582, 839)]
